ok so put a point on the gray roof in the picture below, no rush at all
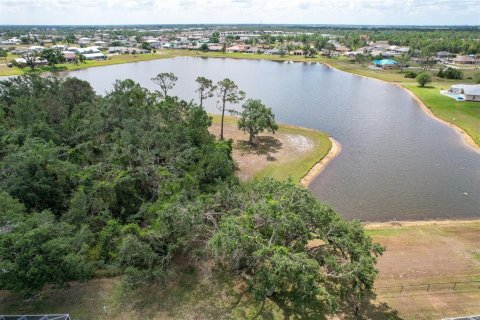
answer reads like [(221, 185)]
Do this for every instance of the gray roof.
[(470, 89)]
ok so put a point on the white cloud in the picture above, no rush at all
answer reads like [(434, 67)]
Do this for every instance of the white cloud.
[(240, 11)]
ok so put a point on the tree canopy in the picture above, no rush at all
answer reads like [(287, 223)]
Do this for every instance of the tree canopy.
[(133, 180), (256, 118)]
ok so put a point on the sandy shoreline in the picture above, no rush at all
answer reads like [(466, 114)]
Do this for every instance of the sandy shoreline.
[(410, 223), (319, 166), (467, 139)]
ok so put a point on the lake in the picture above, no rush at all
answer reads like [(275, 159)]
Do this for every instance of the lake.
[(396, 163)]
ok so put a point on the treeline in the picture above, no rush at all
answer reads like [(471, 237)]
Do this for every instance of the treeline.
[(129, 183)]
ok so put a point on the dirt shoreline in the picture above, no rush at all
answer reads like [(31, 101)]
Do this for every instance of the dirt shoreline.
[(322, 164), (413, 223), (467, 139)]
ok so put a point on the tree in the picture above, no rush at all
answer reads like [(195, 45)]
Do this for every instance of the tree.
[(329, 47), (403, 61), (146, 46), (256, 118), (53, 56), (3, 54), (204, 47), (166, 81), (215, 37), (228, 92), (423, 78), (205, 89), (450, 73), (36, 250), (31, 59), (289, 247)]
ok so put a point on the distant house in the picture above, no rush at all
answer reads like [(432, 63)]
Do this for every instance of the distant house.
[(341, 48), (274, 51), (36, 49), (20, 62), (298, 53), (443, 54), (69, 56), (470, 91), (237, 48), (117, 49), (215, 48), (59, 47), (464, 60), (94, 56), (254, 50), (385, 63)]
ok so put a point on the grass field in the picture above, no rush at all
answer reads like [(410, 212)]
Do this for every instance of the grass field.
[(416, 254), (290, 153)]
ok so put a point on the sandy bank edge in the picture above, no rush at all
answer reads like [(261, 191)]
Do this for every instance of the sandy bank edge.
[(322, 164), (467, 139), (408, 223)]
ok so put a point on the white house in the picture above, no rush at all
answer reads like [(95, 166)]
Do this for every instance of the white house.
[(470, 91), (94, 56)]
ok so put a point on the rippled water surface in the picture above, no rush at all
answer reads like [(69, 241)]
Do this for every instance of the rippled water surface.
[(396, 162)]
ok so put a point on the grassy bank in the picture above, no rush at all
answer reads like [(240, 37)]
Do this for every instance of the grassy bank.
[(416, 254), (279, 164)]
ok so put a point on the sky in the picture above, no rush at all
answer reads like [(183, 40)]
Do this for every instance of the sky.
[(363, 12)]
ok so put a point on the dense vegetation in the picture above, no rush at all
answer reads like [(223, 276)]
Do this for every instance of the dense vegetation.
[(133, 184)]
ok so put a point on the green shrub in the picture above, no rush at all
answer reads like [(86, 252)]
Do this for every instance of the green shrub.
[(411, 75), (450, 73), (424, 78), (476, 77)]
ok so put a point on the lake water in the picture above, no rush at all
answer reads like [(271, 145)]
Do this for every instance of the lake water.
[(396, 162)]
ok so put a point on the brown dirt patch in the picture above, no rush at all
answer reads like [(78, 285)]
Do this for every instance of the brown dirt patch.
[(250, 160)]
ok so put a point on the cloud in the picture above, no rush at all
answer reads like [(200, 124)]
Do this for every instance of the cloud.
[(239, 11)]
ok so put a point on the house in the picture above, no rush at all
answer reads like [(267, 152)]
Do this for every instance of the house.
[(20, 62), (59, 47), (443, 54), (274, 51), (94, 56), (117, 49), (215, 48), (237, 48), (69, 56), (36, 49), (464, 60), (341, 48), (298, 53), (385, 63), (471, 92), (84, 40), (254, 50)]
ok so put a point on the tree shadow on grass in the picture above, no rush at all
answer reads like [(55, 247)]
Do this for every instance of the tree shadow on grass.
[(263, 145)]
